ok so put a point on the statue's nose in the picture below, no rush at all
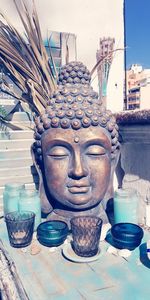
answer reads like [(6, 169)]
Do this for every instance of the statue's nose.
[(78, 168)]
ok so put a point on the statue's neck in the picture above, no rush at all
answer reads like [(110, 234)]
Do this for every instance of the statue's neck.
[(66, 215), (72, 213)]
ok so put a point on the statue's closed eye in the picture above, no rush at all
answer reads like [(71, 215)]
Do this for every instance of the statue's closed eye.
[(62, 152), (58, 152), (95, 150)]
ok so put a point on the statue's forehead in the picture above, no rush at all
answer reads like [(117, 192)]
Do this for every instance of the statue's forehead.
[(77, 136)]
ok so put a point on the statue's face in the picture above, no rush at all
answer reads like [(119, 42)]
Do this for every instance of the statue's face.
[(77, 165)]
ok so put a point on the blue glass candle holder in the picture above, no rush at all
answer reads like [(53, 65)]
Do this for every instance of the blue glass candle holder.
[(126, 235), (52, 233)]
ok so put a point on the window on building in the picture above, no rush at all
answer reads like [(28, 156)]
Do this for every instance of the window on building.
[(133, 106)]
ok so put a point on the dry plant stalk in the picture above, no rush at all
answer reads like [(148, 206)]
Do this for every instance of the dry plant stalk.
[(100, 61), (26, 60), (11, 286)]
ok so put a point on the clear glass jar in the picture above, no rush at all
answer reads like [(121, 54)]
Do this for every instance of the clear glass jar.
[(11, 196), (147, 213), (125, 206), (147, 208), (132, 181), (30, 200)]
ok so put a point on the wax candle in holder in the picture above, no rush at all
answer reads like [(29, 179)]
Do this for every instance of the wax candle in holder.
[(86, 232), (20, 227)]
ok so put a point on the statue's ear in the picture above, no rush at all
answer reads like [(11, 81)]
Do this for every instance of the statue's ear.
[(45, 204), (114, 160), (110, 190)]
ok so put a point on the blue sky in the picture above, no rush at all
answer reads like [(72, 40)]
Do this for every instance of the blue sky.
[(138, 32)]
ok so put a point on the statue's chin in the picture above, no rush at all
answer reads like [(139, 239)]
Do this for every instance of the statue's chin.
[(80, 204), (76, 199)]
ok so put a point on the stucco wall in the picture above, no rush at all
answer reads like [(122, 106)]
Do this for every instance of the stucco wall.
[(145, 97)]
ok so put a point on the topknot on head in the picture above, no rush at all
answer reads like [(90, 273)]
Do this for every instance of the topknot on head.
[(74, 73), (73, 89)]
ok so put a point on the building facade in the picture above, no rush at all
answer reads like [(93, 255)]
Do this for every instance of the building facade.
[(138, 87)]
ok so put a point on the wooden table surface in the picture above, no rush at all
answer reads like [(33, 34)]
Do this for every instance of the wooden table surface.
[(47, 275)]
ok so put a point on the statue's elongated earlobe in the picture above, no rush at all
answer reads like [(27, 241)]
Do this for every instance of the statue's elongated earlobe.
[(45, 204)]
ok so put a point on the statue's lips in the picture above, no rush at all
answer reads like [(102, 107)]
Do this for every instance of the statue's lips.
[(79, 189)]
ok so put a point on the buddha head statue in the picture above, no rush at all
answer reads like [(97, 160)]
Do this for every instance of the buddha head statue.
[(76, 145)]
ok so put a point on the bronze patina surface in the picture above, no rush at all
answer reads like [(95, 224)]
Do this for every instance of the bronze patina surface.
[(76, 147)]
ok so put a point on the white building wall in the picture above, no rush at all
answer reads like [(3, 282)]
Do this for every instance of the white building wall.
[(145, 97), (146, 73), (89, 21)]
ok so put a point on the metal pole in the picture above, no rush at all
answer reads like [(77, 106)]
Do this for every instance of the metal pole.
[(125, 58)]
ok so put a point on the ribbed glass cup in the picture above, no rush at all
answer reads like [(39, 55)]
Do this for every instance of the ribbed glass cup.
[(20, 227), (86, 232)]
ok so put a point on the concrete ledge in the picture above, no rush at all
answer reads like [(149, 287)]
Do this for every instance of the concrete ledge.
[(11, 153), (18, 171), (19, 179), (15, 144), (16, 162), (16, 134)]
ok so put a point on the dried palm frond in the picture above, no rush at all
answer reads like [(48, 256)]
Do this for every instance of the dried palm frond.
[(26, 60), (100, 61)]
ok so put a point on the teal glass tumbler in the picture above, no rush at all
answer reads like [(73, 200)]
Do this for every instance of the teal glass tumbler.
[(11, 196), (30, 200)]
